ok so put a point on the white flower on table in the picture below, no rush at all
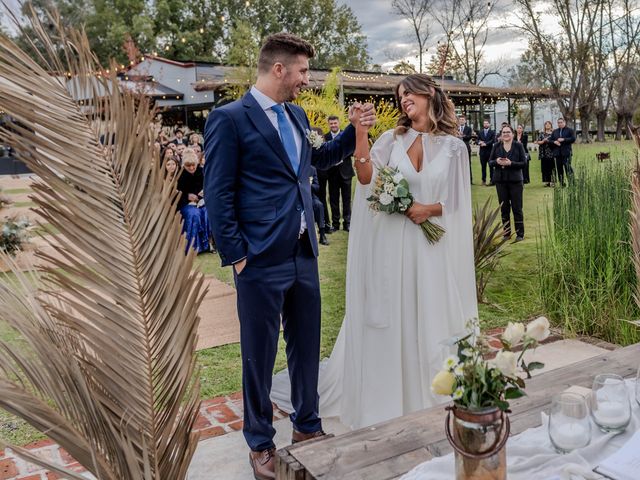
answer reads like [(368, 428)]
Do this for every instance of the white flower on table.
[(538, 329), (457, 393), (506, 362), (513, 333), (450, 362), (314, 138)]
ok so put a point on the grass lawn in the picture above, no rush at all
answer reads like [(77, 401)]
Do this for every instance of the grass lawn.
[(512, 293)]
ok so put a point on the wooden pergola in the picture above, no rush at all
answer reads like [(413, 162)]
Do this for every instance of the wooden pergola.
[(375, 85)]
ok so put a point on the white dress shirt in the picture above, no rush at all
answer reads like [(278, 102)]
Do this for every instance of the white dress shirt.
[(266, 103)]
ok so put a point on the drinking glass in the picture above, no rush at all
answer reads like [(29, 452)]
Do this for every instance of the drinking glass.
[(610, 406), (569, 424)]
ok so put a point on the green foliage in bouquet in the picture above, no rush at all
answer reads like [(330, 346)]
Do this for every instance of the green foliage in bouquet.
[(13, 235), (474, 382)]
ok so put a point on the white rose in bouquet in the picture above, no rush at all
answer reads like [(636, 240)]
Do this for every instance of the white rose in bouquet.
[(385, 198), (513, 333), (398, 177), (538, 329)]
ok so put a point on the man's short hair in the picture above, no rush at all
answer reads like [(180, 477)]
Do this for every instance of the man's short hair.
[(332, 117), (281, 47), (561, 118)]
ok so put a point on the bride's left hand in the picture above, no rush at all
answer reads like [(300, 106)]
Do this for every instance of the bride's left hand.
[(418, 213)]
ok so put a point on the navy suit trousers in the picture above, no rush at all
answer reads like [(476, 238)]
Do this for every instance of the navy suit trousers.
[(291, 291)]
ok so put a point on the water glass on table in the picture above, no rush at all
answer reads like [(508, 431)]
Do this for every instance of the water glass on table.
[(569, 424), (610, 406)]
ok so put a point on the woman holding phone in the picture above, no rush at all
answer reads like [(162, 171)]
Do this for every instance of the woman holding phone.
[(509, 160)]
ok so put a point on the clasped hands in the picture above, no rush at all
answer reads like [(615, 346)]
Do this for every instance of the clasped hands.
[(362, 114), (504, 162)]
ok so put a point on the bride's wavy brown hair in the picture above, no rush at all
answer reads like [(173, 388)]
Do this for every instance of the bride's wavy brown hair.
[(441, 114)]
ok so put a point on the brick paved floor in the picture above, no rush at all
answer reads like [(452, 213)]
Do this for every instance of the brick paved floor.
[(218, 416)]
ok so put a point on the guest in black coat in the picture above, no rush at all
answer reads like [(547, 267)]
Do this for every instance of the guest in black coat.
[(318, 208), (561, 140), (509, 160), (340, 180), (486, 139), (465, 132), (522, 137), (545, 154)]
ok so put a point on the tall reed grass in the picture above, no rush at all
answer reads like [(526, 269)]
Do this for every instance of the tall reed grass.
[(587, 278)]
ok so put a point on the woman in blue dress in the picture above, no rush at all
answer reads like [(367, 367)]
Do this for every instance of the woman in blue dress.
[(191, 205)]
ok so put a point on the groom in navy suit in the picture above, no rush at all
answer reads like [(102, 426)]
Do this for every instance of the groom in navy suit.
[(258, 197)]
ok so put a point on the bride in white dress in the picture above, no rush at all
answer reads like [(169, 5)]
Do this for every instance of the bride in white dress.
[(404, 296)]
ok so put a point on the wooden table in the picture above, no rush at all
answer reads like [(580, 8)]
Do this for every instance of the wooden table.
[(390, 449)]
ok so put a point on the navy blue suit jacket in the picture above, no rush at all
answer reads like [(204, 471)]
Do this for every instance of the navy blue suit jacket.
[(489, 138), (252, 194)]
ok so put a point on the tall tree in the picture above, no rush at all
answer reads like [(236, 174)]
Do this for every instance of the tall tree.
[(332, 29), (416, 13), (464, 24), (566, 58), (445, 62)]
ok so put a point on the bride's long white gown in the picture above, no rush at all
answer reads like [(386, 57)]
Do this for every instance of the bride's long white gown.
[(404, 297)]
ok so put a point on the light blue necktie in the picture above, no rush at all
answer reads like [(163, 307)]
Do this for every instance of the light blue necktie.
[(286, 135)]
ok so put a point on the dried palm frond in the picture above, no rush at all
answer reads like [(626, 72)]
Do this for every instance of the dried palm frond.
[(106, 357), (488, 243), (634, 224)]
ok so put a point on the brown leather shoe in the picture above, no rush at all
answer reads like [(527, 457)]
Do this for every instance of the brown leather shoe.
[(297, 436), (263, 464)]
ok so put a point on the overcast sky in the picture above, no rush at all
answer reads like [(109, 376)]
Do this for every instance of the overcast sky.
[(391, 37)]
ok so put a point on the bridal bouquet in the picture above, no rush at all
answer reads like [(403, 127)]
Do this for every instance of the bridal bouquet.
[(391, 194), (474, 382)]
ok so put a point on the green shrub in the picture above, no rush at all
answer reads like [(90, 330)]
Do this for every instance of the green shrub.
[(13, 235), (587, 278)]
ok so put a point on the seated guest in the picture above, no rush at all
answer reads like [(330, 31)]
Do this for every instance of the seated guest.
[(179, 140), (195, 221), (170, 165), (195, 141), (318, 207)]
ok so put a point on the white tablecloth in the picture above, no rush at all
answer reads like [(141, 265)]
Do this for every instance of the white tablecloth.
[(530, 455)]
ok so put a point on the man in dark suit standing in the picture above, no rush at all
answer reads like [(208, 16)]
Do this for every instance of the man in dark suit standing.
[(561, 140), (258, 197), (318, 208), (486, 139), (339, 182), (465, 133), (323, 193)]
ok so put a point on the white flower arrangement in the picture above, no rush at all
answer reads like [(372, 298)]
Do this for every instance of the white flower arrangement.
[(314, 138), (475, 382)]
